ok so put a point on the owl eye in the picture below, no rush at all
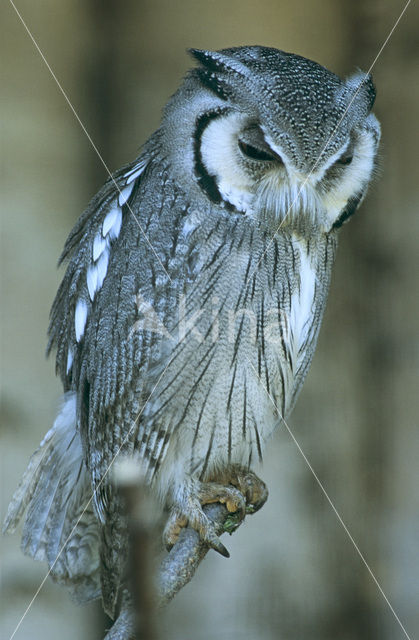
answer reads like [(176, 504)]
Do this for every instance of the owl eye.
[(254, 153), (345, 159), (252, 144)]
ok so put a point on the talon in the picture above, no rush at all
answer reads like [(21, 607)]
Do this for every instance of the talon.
[(174, 525), (220, 548), (252, 487), (208, 535), (239, 489), (230, 496), (189, 513)]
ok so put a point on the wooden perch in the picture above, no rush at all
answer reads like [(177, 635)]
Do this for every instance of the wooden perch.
[(176, 570), (179, 566)]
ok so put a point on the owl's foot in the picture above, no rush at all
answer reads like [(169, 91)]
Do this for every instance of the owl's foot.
[(249, 484), (188, 512)]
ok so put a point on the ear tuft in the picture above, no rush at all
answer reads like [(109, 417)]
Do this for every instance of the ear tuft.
[(215, 72), (361, 83), (220, 62), (206, 58)]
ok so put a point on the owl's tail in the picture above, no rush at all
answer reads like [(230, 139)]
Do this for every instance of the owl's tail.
[(60, 525)]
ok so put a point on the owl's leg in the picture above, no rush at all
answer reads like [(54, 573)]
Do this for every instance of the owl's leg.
[(187, 511), (248, 483)]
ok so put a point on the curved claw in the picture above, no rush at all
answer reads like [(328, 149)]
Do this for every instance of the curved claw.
[(204, 527), (216, 544), (173, 527), (189, 512)]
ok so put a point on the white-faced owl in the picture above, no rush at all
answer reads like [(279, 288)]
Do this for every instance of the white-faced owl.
[(189, 311)]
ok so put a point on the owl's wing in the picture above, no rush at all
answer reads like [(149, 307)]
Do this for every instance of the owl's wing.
[(88, 250), (120, 251)]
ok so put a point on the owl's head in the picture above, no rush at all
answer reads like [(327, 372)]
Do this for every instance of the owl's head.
[(273, 136)]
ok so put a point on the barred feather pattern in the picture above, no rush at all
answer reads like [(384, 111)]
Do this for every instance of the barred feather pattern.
[(210, 408)]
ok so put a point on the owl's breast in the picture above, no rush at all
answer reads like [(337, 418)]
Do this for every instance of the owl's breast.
[(299, 325), (244, 338)]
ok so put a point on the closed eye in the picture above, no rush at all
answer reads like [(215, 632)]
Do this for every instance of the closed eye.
[(254, 153), (345, 159), (253, 145)]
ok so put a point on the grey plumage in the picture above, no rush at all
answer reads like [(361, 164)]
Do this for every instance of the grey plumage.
[(229, 217)]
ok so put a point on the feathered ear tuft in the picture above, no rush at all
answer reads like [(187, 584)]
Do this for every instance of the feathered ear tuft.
[(361, 84), (369, 90), (221, 62), (211, 73), (217, 70), (208, 59)]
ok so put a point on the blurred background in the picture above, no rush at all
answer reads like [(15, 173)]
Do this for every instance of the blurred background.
[(293, 571)]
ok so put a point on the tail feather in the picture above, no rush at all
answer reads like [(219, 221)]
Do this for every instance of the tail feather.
[(27, 486), (60, 525), (58, 522)]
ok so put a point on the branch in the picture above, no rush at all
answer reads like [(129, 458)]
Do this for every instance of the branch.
[(177, 568)]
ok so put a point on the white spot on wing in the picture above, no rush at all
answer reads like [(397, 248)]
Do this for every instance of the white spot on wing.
[(92, 280), (116, 227), (135, 172), (109, 220), (80, 318), (99, 245), (125, 194), (101, 268), (111, 228)]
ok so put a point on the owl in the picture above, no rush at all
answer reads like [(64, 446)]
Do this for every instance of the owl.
[(189, 311)]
